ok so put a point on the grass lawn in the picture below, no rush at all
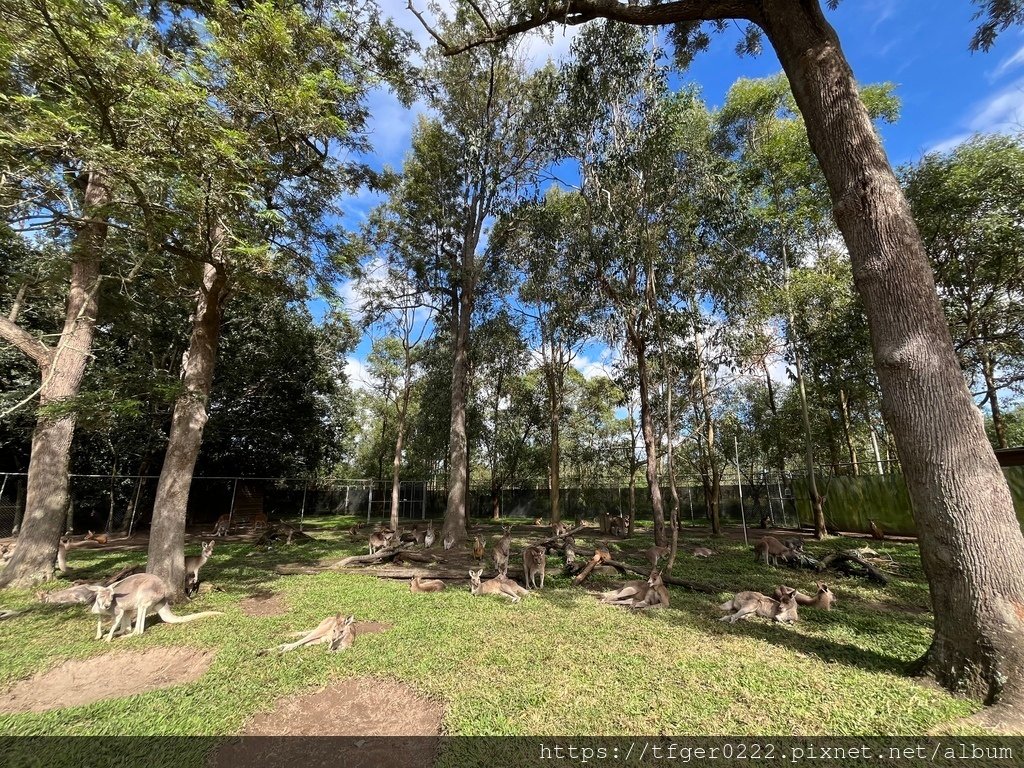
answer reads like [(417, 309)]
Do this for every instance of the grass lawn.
[(557, 663)]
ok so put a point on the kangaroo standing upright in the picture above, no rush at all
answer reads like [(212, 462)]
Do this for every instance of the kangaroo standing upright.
[(501, 550), (192, 565), (429, 536), (534, 563)]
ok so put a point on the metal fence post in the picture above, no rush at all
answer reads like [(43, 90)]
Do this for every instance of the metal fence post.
[(231, 509), (739, 485), (302, 512)]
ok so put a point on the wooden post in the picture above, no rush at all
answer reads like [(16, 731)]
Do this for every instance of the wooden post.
[(302, 512)]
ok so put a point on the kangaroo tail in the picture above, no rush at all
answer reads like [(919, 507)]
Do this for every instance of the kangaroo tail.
[(168, 617)]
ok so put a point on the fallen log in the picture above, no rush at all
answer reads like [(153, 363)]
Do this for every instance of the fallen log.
[(846, 560), (380, 556)]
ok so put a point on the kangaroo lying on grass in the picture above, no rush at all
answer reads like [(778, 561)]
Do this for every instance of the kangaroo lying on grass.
[(337, 631), (425, 585), (640, 594), (702, 552), (503, 587), (141, 593), (755, 604), (824, 599)]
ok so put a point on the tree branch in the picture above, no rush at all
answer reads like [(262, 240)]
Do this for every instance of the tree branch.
[(572, 12), (32, 347)]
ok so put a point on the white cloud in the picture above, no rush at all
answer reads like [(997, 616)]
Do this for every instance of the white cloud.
[(1000, 112), (358, 374), (1010, 62)]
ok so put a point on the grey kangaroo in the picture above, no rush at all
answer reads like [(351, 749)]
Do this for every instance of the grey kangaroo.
[(755, 604), (142, 593), (192, 565), (534, 563)]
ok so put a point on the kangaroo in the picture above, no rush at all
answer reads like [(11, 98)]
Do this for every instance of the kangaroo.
[(797, 545), (380, 540), (99, 538), (534, 563), (429, 536), (654, 554), (478, 548), (702, 552), (560, 529), (876, 530), (569, 550), (449, 542), (425, 585), (80, 594), (754, 603), (538, 522), (140, 593), (337, 631), (193, 563), (353, 532), (501, 550), (657, 593), (62, 555), (617, 526), (501, 587), (629, 593), (824, 599), (770, 547)]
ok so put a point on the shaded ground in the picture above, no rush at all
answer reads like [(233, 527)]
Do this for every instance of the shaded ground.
[(264, 604), (359, 707), (111, 676)]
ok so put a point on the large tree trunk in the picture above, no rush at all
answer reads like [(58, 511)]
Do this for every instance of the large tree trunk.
[(650, 442), (458, 448), (167, 533), (62, 370), (972, 548)]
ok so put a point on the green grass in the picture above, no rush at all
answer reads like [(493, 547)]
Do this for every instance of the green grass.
[(558, 663)]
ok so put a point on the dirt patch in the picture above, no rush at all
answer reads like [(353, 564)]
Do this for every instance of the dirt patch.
[(358, 708), (370, 627), (264, 604), (110, 676)]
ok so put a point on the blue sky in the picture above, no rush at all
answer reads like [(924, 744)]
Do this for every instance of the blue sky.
[(947, 92)]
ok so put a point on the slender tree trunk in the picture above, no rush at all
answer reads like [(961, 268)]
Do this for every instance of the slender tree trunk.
[(396, 466), (61, 370), (817, 507), (711, 483), (780, 458), (458, 448), (847, 431), (972, 548), (555, 461), (650, 443), (167, 532), (988, 368)]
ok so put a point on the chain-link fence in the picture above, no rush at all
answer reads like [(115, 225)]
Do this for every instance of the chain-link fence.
[(125, 502)]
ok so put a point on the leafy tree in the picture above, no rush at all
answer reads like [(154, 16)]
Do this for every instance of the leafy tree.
[(961, 501), (969, 204)]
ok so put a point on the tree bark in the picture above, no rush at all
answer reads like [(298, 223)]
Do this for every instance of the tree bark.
[(458, 448), (62, 370), (988, 368), (167, 533), (972, 548), (396, 467), (650, 443)]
